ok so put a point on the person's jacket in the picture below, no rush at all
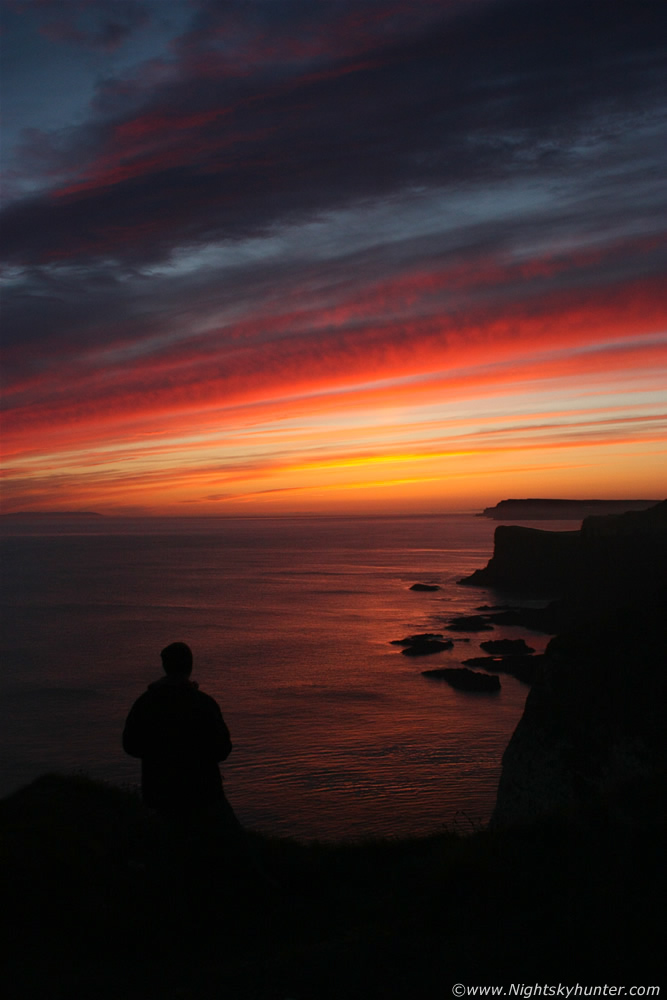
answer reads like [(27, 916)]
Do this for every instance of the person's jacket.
[(180, 735)]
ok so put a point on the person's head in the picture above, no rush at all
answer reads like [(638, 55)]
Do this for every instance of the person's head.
[(177, 660)]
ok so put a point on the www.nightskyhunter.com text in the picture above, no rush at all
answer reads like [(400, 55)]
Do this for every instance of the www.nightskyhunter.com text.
[(526, 991)]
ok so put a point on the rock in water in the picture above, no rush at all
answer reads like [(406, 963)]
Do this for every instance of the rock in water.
[(464, 679), (470, 623), (423, 645), (524, 668)]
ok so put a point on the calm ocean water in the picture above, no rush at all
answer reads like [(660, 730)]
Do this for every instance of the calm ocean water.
[(336, 734)]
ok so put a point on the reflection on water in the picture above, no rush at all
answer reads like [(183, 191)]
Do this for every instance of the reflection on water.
[(336, 734)]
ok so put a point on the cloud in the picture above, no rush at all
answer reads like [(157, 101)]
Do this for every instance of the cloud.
[(502, 88), (285, 217), (90, 24)]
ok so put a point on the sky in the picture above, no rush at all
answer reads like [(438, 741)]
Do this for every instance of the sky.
[(266, 257)]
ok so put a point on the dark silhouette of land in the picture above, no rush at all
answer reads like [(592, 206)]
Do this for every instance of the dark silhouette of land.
[(48, 514), (575, 897), (609, 558), (545, 509), (593, 723), (565, 887)]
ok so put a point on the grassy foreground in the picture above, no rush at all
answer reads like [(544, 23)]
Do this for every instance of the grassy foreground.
[(96, 907)]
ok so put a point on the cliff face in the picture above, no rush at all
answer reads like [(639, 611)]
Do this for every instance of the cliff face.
[(623, 559), (529, 560), (593, 727), (609, 557)]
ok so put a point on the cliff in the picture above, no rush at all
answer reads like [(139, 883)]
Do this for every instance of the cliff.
[(530, 561), (592, 734), (608, 558)]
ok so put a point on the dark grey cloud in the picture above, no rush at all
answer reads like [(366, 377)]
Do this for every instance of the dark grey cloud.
[(306, 156), (484, 92), (88, 24)]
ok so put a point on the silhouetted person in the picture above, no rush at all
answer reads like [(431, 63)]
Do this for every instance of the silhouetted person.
[(181, 737)]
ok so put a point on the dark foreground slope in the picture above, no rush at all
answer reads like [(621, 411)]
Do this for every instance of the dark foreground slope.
[(98, 907)]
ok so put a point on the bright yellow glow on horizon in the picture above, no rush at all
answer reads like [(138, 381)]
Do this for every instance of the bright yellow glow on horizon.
[(571, 404)]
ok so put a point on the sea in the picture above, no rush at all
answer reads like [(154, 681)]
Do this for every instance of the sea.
[(292, 621)]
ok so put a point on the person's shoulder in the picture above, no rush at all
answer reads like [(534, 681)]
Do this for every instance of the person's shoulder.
[(141, 705), (205, 696), (206, 699), (153, 694)]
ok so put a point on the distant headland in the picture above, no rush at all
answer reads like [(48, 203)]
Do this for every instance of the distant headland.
[(560, 510), (35, 514)]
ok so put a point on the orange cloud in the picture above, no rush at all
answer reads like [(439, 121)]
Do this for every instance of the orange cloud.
[(280, 402)]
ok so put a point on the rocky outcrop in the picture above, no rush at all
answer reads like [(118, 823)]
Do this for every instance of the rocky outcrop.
[(423, 644), (524, 668), (530, 561), (470, 623), (566, 510), (464, 679), (427, 647)]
